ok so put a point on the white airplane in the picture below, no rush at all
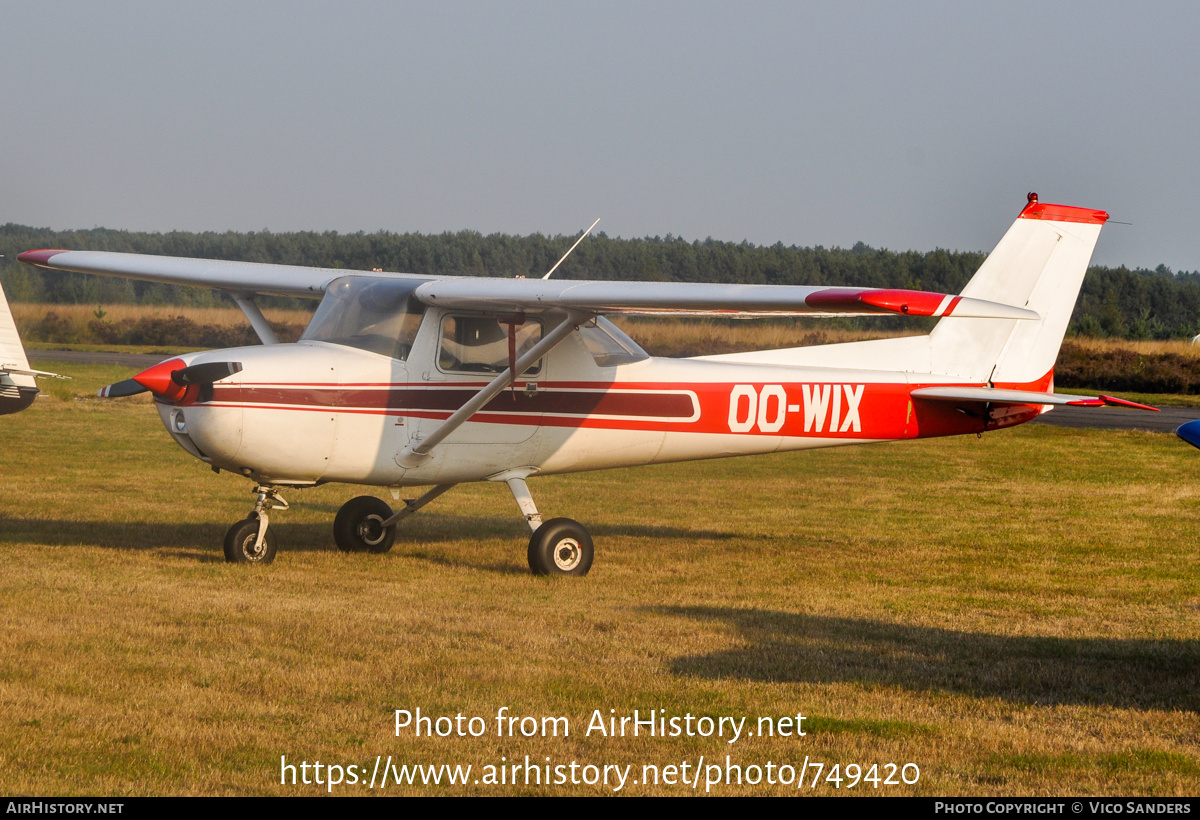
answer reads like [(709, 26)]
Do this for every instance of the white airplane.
[(17, 386), (403, 380)]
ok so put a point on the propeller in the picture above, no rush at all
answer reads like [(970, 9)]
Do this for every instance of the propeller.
[(171, 379)]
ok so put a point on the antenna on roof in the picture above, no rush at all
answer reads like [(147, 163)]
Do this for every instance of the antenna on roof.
[(573, 247)]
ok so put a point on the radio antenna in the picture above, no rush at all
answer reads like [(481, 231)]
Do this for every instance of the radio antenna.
[(573, 247)]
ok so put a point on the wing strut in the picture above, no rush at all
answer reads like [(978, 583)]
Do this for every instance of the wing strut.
[(417, 451), (255, 316)]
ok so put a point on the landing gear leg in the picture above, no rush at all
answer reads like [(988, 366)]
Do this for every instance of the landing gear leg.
[(559, 546), (251, 541), (411, 505)]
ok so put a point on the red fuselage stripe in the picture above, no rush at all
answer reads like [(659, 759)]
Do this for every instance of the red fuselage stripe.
[(818, 410)]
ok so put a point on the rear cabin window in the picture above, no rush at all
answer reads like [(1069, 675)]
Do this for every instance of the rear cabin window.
[(379, 315), (479, 344), (609, 345)]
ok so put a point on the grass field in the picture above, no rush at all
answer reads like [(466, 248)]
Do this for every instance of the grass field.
[(1017, 615)]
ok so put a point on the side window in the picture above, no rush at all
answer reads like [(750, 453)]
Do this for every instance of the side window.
[(609, 345), (479, 344)]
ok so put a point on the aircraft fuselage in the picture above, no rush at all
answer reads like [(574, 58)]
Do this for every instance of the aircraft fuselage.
[(316, 412)]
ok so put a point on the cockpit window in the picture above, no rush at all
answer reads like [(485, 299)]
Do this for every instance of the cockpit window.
[(609, 345), (479, 344), (379, 315)]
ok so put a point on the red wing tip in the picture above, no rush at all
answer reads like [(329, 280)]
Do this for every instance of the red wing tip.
[(883, 300), (1126, 403), (1063, 213), (41, 257)]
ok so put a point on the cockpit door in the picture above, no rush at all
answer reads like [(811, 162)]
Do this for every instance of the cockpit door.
[(471, 351)]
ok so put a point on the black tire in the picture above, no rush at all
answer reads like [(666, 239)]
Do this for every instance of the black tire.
[(561, 547), (239, 544), (358, 526)]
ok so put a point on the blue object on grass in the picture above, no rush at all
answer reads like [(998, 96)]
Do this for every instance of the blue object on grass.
[(1190, 432)]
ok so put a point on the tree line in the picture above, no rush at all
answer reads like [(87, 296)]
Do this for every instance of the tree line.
[(1114, 302)]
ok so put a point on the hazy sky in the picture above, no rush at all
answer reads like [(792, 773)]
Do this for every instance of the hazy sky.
[(901, 125)]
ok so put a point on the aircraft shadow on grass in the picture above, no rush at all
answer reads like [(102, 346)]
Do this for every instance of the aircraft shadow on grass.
[(196, 540), (791, 648), (137, 535)]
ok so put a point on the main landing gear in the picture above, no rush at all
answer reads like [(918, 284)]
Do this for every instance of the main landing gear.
[(250, 541), (359, 526), (559, 546)]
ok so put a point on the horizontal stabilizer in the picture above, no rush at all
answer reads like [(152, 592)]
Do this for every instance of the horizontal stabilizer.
[(24, 371), (996, 395)]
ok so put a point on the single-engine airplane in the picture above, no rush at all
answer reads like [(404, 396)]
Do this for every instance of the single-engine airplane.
[(17, 386), (403, 380)]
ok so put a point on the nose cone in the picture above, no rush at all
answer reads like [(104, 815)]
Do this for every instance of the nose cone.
[(158, 380)]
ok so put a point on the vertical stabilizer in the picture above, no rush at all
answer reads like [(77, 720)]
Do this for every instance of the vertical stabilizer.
[(11, 351), (1039, 264), (17, 387)]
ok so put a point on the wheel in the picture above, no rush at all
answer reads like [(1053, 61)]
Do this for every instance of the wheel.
[(358, 526), (239, 544), (560, 547)]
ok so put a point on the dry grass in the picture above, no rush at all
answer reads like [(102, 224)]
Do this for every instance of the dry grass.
[(1180, 347), (1018, 614), (25, 312)]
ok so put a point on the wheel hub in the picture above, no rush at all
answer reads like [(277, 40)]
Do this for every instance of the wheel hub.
[(248, 547), (371, 530), (567, 554)]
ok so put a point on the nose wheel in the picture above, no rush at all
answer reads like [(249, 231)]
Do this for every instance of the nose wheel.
[(251, 541), (243, 547)]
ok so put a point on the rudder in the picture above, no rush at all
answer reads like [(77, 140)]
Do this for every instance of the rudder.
[(1039, 264)]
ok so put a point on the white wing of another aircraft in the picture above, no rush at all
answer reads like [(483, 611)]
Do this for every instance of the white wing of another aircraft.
[(17, 387)]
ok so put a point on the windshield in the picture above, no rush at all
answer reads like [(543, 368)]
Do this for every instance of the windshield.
[(378, 315)]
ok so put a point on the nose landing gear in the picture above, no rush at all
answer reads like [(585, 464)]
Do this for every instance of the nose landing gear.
[(250, 541)]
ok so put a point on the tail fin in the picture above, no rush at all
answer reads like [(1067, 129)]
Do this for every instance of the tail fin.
[(17, 387), (1039, 264)]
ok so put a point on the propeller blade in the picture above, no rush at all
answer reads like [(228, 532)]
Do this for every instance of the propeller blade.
[(170, 381), (129, 387), (206, 373)]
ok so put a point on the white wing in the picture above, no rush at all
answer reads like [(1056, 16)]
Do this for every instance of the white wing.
[(510, 295)]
